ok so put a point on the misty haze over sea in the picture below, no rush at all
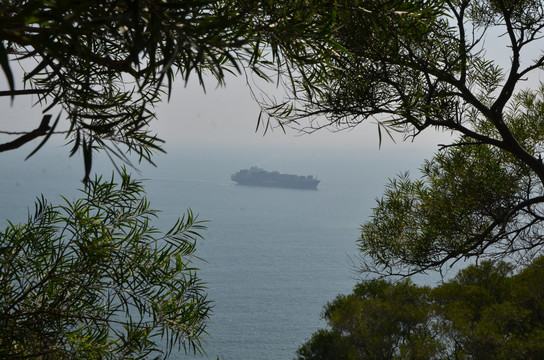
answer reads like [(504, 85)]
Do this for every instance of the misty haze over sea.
[(274, 257)]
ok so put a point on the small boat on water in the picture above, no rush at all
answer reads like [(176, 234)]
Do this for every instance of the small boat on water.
[(255, 176)]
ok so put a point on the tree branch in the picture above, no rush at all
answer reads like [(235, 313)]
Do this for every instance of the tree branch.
[(40, 131), (23, 92)]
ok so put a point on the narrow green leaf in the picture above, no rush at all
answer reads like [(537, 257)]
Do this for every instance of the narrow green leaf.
[(87, 159), (4, 62)]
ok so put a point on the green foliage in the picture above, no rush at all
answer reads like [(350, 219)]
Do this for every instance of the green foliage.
[(93, 278), (467, 200), (484, 312), (472, 199), (410, 65), (379, 320), (414, 65), (105, 65)]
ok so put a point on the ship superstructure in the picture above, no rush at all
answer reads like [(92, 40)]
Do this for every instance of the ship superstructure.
[(256, 176)]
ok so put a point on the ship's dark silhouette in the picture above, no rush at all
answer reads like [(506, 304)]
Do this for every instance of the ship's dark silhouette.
[(258, 177)]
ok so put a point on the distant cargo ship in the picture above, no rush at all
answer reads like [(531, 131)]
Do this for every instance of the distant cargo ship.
[(258, 177)]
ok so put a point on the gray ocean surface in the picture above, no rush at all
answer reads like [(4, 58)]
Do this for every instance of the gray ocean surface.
[(274, 257)]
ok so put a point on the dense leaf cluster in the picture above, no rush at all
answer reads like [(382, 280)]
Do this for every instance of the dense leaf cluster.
[(470, 200), (93, 278), (484, 312)]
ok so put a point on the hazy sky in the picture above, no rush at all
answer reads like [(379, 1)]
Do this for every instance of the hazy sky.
[(221, 118), (228, 116)]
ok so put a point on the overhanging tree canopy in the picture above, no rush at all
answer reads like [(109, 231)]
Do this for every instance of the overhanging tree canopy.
[(417, 65), (104, 65)]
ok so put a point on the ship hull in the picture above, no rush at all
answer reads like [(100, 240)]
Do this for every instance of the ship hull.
[(258, 177)]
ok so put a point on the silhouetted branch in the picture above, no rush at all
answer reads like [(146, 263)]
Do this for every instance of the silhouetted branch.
[(23, 92), (40, 131)]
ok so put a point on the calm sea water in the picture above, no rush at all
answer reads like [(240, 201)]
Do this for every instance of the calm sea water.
[(274, 257)]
